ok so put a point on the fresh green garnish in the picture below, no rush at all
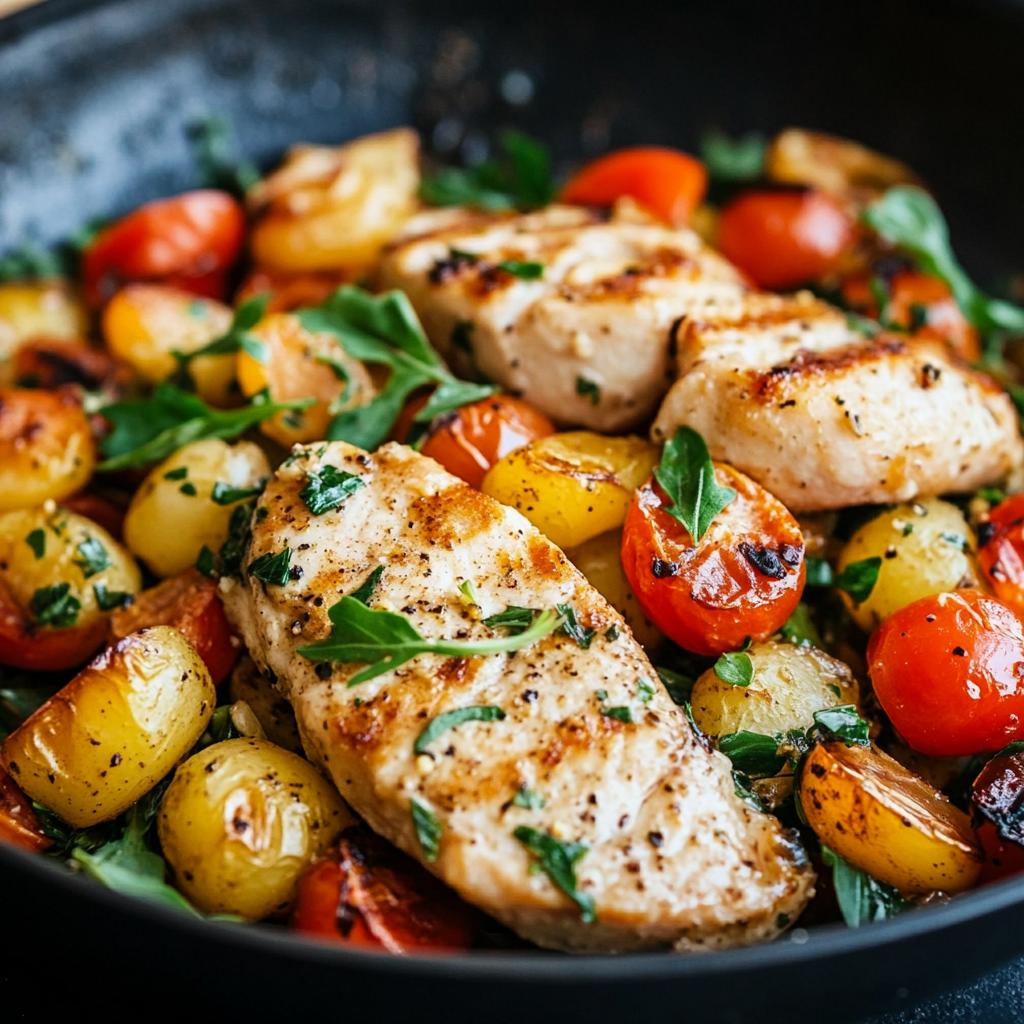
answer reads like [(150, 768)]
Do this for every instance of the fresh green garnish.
[(269, 568), (364, 592), (32, 263), (588, 389), (513, 618), (958, 540), (176, 474), (327, 488), (150, 430), (237, 338), (735, 668), (799, 629), (752, 754), (428, 829), (225, 494), (678, 685), (862, 899), (92, 557), (205, 562), (212, 145), (232, 550), (612, 633), (384, 329), (189, 489), (36, 540), (528, 800), (558, 860), (468, 590), (844, 723), (386, 640), (442, 723), (55, 606), (620, 714), (581, 634), (644, 690), (858, 579), (108, 600), (528, 271), (687, 476), (741, 787), (729, 159)]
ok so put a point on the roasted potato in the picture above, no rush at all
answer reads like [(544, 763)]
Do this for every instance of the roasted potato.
[(926, 548), (334, 207), (144, 324), (241, 821), (886, 821), (296, 363), (573, 486), (600, 560), (115, 730), (37, 309), (175, 512), (61, 575), (46, 447), (275, 714)]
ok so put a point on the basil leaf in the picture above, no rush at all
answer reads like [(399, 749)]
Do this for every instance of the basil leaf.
[(528, 799), (513, 618), (449, 719), (730, 159), (799, 628), (558, 860), (845, 724), (621, 714), (752, 754), (528, 271), (108, 600), (364, 592), (687, 476), (225, 494), (588, 389), (582, 635), (736, 668), (679, 686), (386, 640), (36, 540), (55, 606), (269, 568), (862, 899), (92, 557), (327, 488), (428, 829), (858, 579)]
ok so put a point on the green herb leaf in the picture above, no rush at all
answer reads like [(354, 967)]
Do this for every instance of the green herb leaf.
[(150, 430), (36, 540), (582, 635), (754, 755), (468, 590), (177, 474), (225, 494), (644, 690), (369, 585), (799, 629), (512, 618), (233, 549), (92, 557), (730, 159), (212, 147), (386, 640), (270, 568), (741, 787), (819, 572), (687, 475), (449, 719), (844, 723), (858, 579), (189, 489), (108, 600), (328, 488), (862, 899), (428, 829), (528, 799), (558, 860), (55, 606), (621, 714), (245, 317), (528, 271), (736, 668), (205, 562), (588, 389), (31, 262), (678, 685)]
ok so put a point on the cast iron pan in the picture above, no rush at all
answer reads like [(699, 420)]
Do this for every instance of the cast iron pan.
[(95, 99)]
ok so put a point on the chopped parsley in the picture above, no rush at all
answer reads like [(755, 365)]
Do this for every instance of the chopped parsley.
[(55, 606), (528, 799), (619, 713), (92, 557), (225, 494), (205, 562), (571, 627), (364, 592), (588, 389), (189, 489), (513, 618), (36, 540), (449, 719), (644, 690), (528, 271), (270, 568), (177, 474), (558, 860), (327, 488), (108, 600)]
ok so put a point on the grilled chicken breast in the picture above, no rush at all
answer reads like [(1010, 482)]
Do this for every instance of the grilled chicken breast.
[(783, 389), (673, 856), (588, 341)]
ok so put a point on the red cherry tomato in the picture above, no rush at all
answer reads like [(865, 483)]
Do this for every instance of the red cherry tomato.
[(997, 795), (949, 672), (1002, 858), (18, 822), (367, 892), (189, 241), (190, 604), (1001, 551), (667, 182), (784, 239), (743, 579)]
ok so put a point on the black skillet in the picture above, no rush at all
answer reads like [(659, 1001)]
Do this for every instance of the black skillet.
[(95, 98)]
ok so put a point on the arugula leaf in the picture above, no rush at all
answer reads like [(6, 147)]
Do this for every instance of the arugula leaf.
[(619, 713), (92, 557), (108, 600), (150, 430), (55, 606), (862, 899), (428, 829), (36, 540), (211, 141), (678, 685), (729, 159), (528, 799), (844, 723), (369, 585), (753, 754), (327, 488), (588, 389), (269, 568), (449, 719), (799, 628), (384, 329), (513, 618), (527, 270), (558, 860), (386, 640), (735, 668), (687, 475), (858, 579), (582, 635)]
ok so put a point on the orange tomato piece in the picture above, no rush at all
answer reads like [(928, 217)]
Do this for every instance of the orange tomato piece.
[(1001, 551), (18, 822)]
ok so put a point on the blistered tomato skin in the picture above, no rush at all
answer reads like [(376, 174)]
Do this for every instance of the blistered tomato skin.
[(1001, 551), (949, 671), (743, 579)]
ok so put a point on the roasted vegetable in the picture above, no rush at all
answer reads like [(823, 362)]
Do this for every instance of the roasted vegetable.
[(19, 824), (36, 309)]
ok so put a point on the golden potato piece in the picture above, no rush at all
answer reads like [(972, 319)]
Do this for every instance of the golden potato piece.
[(926, 547), (886, 821), (175, 512), (573, 486), (115, 730), (37, 309), (335, 207), (241, 821), (789, 684)]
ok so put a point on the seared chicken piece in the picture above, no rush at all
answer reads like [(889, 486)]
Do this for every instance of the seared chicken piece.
[(673, 856), (782, 388), (588, 341)]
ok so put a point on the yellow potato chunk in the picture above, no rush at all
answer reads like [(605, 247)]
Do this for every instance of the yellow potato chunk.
[(926, 547), (600, 560), (241, 821), (789, 684), (179, 508), (295, 363), (886, 821), (144, 324), (115, 730), (334, 207), (573, 486), (37, 309)]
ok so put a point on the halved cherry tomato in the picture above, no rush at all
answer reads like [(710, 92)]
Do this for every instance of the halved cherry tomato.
[(190, 604), (366, 891), (468, 441), (743, 579), (1001, 551), (18, 822), (998, 803), (918, 301), (291, 291), (189, 240), (949, 671), (667, 182), (784, 239)]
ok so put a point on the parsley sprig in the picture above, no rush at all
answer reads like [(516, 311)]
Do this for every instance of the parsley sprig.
[(384, 329)]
